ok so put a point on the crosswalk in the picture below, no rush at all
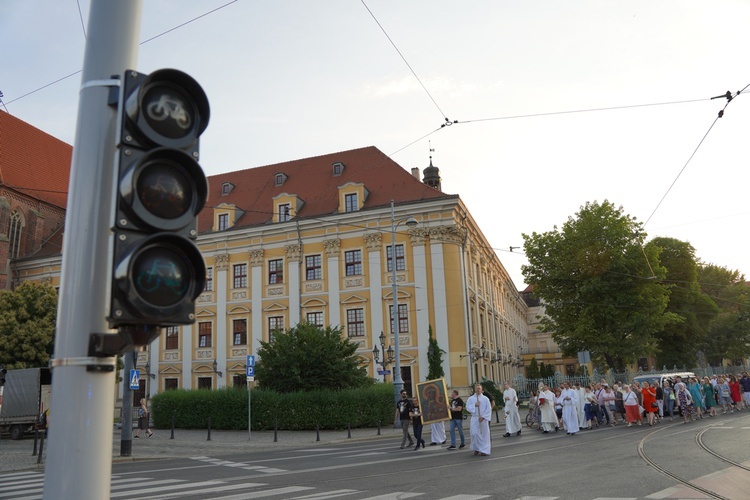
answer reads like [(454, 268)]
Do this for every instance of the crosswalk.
[(29, 486)]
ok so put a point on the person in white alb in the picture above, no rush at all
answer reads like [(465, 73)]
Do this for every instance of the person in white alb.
[(512, 418), (569, 399), (481, 413), (547, 403)]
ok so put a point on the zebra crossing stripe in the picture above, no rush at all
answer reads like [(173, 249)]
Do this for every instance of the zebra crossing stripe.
[(326, 494), (213, 489), (265, 493), (466, 497), (396, 495), (171, 487)]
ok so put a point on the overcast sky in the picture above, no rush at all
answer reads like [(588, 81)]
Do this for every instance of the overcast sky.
[(294, 79)]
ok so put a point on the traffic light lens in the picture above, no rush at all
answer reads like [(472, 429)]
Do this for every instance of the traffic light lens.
[(164, 189), (161, 275), (168, 111)]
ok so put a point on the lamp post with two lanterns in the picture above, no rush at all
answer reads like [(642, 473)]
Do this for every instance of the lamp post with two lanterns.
[(387, 355)]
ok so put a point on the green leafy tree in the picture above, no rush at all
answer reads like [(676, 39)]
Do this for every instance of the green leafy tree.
[(692, 309), (27, 325), (306, 358), (532, 371), (434, 358), (729, 332), (548, 372), (599, 285)]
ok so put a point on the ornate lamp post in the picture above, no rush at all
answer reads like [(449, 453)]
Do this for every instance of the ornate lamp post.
[(387, 355)]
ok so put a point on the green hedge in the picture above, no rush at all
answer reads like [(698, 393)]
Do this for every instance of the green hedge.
[(227, 408)]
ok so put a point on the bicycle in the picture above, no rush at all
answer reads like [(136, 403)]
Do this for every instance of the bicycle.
[(531, 418)]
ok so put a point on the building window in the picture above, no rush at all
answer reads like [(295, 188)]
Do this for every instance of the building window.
[(355, 322), (209, 279), (226, 188), (275, 271), (403, 318), (315, 318), (284, 212), (338, 168), (173, 338), (239, 329), (204, 334), (239, 381), (353, 262), (223, 222), (643, 364), (275, 324), (400, 261), (313, 267), (14, 234), (350, 202), (279, 179), (240, 276), (204, 383), (170, 384)]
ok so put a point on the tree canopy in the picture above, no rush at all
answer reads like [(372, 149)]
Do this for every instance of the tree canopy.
[(600, 286), (306, 358), (27, 325)]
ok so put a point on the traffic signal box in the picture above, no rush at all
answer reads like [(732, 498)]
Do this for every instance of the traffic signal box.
[(158, 271)]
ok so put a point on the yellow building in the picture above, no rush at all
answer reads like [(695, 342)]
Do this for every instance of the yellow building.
[(310, 240)]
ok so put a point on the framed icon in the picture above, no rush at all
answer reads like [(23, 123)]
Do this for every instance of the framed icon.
[(433, 401)]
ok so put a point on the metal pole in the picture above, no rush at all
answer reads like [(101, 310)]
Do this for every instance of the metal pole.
[(79, 461), (398, 383), (249, 422), (126, 432)]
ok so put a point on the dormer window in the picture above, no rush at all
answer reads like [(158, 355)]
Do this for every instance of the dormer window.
[(350, 201), (278, 179), (226, 188), (338, 168)]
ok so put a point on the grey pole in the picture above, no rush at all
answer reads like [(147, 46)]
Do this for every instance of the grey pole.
[(398, 383), (126, 433), (79, 460)]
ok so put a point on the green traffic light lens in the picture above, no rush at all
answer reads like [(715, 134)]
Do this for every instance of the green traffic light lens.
[(162, 275), (168, 111), (164, 189)]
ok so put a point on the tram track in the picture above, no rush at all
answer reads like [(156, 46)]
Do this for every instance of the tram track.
[(699, 441)]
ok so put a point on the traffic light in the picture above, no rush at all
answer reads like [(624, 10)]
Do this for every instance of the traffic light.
[(158, 271)]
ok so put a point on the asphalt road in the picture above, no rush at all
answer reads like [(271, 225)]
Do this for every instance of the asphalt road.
[(709, 458)]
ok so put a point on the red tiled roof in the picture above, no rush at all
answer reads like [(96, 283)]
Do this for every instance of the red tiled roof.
[(33, 162), (312, 180)]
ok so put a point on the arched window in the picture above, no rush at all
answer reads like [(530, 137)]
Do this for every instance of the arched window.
[(14, 234)]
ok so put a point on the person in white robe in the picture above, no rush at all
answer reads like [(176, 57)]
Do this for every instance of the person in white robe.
[(570, 409), (437, 433), (547, 402), (581, 404), (481, 413), (512, 418)]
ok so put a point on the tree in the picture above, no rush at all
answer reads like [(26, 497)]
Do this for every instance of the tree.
[(729, 333), (693, 310), (532, 371), (599, 285), (434, 358), (306, 358), (27, 325)]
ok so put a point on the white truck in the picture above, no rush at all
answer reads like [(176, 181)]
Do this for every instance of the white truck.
[(26, 396)]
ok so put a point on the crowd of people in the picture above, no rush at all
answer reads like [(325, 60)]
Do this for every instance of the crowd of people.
[(573, 408)]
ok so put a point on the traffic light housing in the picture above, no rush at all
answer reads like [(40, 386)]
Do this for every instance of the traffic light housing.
[(157, 270)]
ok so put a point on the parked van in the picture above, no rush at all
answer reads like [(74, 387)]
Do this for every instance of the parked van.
[(659, 378)]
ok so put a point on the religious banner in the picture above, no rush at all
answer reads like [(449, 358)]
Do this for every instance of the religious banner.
[(433, 400)]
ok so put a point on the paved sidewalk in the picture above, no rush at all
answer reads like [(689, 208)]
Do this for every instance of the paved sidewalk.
[(17, 455)]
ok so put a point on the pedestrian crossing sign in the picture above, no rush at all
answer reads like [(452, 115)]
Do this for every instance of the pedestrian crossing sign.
[(135, 379)]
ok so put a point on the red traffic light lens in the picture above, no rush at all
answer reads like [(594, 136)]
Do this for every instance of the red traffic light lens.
[(164, 190), (161, 275)]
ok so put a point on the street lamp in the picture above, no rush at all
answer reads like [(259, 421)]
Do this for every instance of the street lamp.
[(215, 365), (387, 354), (398, 383)]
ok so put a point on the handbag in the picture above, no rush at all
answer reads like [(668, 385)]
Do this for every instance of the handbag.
[(594, 408), (654, 405)]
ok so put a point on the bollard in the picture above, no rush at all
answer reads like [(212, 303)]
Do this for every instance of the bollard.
[(41, 448), (317, 433), (349, 431), (497, 417), (209, 429), (275, 428), (378, 427), (36, 436), (171, 436)]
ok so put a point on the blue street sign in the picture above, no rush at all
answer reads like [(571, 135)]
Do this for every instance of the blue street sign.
[(384, 372), (250, 371), (250, 361), (135, 379)]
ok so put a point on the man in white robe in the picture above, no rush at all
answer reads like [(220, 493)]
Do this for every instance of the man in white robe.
[(549, 418), (569, 399), (512, 418), (481, 413), (437, 433)]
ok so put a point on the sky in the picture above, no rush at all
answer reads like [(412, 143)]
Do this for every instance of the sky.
[(556, 103)]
